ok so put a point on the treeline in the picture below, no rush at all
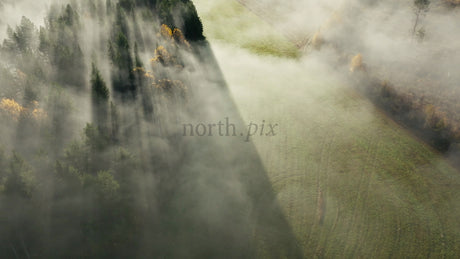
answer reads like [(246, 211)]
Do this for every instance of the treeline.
[(174, 13), (426, 119)]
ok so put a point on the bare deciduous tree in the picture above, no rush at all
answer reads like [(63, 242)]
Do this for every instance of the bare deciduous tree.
[(421, 7)]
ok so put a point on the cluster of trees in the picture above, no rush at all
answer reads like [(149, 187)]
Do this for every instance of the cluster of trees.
[(453, 2), (425, 118), (180, 14), (120, 55), (80, 205), (183, 15), (105, 172), (59, 40), (93, 196), (427, 102)]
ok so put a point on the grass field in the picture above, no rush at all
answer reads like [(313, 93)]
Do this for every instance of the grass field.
[(230, 22), (351, 183)]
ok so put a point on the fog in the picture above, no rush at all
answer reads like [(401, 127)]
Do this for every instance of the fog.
[(321, 116), (12, 11), (128, 184), (401, 50), (94, 101)]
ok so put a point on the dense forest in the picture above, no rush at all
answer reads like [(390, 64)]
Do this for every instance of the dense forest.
[(93, 163)]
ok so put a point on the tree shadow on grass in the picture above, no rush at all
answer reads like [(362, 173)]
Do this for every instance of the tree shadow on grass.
[(221, 203)]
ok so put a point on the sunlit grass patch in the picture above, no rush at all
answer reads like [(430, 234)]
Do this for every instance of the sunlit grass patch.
[(232, 23)]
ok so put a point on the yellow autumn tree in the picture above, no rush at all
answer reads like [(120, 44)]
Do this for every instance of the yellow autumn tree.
[(14, 110), (356, 63), (317, 40), (166, 84), (39, 114), (162, 55), (169, 87), (139, 69), (11, 107), (178, 36), (147, 74), (166, 32)]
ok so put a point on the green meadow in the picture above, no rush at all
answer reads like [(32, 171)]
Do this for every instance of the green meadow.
[(230, 22), (350, 181)]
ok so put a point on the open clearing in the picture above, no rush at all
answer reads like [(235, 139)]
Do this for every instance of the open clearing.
[(351, 182), (230, 22)]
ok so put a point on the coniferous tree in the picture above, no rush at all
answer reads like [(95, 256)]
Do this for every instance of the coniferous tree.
[(127, 5), (100, 99), (142, 81), (193, 28), (15, 184), (119, 52), (84, 193), (60, 42), (20, 47), (114, 123), (22, 38)]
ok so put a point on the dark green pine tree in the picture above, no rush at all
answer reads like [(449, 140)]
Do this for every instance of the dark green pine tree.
[(15, 185), (187, 20), (20, 47), (127, 5), (20, 39), (192, 28), (148, 3), (2, 168), (100, 99), (143, 85), (114, 123), (164, 8), (137, 59), (60, 42), (119, 52)]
